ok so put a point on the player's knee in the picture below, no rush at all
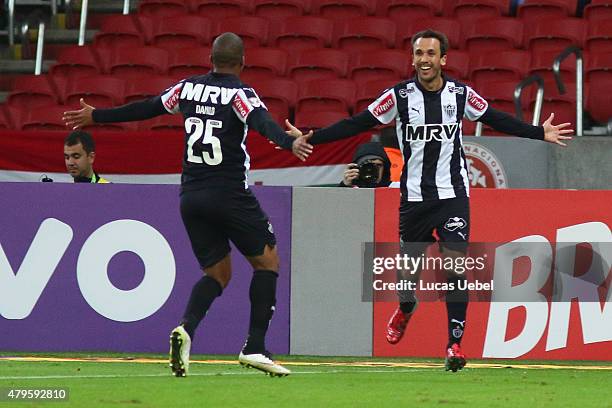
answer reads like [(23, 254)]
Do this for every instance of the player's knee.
[(267, 261), (222, 278), (221, 271)]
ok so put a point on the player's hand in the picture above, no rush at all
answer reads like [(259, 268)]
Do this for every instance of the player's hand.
[(293, 131), (555, 133), (301, 148), (350, 174), (79, 118)]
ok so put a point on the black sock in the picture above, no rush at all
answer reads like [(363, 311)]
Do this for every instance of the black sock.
[(203, 294), (407, 307), (456, 307), (263, 298)]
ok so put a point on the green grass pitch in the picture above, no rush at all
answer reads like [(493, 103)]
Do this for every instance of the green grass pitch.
[(218, 381)]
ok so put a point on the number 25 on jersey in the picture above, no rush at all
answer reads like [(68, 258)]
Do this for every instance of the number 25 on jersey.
[(195, 127)]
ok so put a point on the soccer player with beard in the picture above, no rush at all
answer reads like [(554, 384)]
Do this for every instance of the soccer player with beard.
[(427, 111)]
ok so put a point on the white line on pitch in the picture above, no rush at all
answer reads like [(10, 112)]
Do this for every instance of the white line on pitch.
[(47, 377)]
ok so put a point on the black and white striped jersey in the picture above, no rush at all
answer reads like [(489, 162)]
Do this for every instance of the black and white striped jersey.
[(429, 132), (215, 108)]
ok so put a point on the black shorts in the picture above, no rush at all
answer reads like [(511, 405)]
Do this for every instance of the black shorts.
[(450, 219), (215, 216)]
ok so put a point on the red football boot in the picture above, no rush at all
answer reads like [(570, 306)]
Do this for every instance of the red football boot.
[(455, 359), (397, 326)]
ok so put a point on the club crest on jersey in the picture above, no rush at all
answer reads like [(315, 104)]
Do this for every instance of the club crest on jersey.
[(404, 92), (431, 132), (455, 223), (476, 102), (384, 106), (450, 110)]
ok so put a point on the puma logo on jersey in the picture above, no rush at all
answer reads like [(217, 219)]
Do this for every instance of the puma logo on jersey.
[(431, 132), (205, 93)]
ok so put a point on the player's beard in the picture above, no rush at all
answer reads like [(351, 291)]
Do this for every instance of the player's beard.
[(429, 76)]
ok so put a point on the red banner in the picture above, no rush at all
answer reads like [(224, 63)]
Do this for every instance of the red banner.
[(160, 152), (578, 330)]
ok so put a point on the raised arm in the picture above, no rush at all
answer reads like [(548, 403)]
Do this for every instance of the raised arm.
[(509, 124), (88, 114), (294, 140), (345, 128)]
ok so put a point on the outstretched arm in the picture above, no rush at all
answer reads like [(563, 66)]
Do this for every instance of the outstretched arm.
[(293, 139), (345, 128), (141, 110), (506, 123)]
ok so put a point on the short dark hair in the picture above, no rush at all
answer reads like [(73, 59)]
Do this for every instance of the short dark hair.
[(429, 33), (227, 51), (84, 138)]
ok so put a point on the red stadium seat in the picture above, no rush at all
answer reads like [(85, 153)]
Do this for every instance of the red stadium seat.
[(252, 30), (367, 92), (123, 31), (365, 34), (534, 10), (6, 122), (102, 91), (450, 27), (33, 91), (318, 64), (164, 123), (162, 8), (146, 87), (317, 120), (598, 10), (342, 9), (44, 118), (501, 66), (75, 62), (457, 65), (474, 10), (500, 95), (127, 63), (599, 101), (563, 106), (542, 62), (405, 10), (301, 33), (264, 63), (330, 94), (599, 37), (555, 35), (382, 64), (220, 9), (494, 35), (187, 62), (599, 68), (279, 95), (181, 32), (280, 9), (468, 127)]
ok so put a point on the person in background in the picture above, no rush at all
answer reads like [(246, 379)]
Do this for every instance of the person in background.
[(79, 156)]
